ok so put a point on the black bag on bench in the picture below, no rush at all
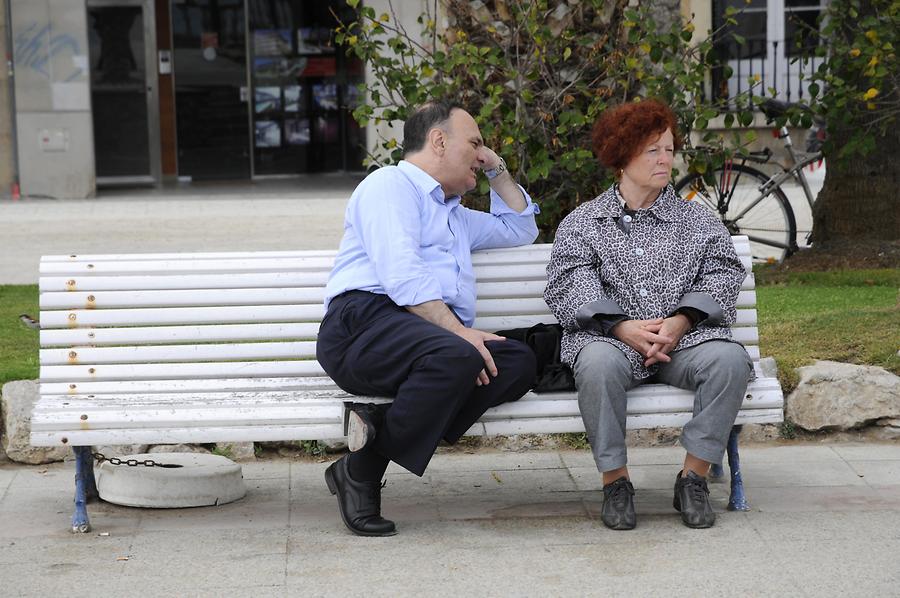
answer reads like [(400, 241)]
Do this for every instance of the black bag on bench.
[(552, 375)]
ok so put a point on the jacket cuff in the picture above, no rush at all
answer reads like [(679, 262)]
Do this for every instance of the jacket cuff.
[(593, 315), (704, 303)]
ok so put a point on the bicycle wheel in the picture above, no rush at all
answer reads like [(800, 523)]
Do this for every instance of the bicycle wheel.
[(733, 194)]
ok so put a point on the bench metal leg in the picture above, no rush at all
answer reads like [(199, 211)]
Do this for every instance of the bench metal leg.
[(737, 501), (85, 488)]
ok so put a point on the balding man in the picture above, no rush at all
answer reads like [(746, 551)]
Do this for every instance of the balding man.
[(401, 303)]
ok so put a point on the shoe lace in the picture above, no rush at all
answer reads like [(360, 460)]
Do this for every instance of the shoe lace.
[(619, 495), (697, 489)]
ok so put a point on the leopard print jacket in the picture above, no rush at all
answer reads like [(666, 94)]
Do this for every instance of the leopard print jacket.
[(647, 265)]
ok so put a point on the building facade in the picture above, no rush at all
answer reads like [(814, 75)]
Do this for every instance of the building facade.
[(141, 92)]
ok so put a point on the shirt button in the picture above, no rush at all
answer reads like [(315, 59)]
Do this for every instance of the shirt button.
[(638, 251), (643, 292), (626, 218)]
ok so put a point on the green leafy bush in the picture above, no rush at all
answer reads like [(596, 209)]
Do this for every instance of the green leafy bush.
[(536, 74)]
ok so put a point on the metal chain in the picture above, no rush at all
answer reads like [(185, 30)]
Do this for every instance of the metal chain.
[(100, 458)]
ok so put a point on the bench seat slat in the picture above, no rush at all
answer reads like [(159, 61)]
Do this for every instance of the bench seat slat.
[(646, 398), (79, 413), (211, 414), (192, 434), (560, 425)]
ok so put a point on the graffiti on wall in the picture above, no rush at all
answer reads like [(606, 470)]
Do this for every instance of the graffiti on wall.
[(36, 45)]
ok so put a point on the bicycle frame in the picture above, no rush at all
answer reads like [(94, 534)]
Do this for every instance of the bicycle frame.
[(795, 172)]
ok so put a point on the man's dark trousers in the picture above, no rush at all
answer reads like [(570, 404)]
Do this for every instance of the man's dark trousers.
[(371, 346)]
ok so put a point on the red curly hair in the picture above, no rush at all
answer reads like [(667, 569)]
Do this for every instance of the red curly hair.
[(622, 132)]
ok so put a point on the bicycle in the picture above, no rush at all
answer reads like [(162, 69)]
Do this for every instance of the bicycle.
[(750, 202)]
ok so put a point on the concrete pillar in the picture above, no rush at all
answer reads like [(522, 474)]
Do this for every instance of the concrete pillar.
[(7, 147), (53, 99)]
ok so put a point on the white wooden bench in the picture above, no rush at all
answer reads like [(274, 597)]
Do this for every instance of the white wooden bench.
[(217, 347)]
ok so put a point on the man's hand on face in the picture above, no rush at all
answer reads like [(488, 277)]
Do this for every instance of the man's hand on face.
[(488, 158)]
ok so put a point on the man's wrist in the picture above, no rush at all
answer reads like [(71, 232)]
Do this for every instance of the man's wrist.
[(497, 170)]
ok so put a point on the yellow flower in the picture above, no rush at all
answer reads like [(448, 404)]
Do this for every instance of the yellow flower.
[(854, 52), (871, 35), (873, 61), (385, 17), (870, 93)]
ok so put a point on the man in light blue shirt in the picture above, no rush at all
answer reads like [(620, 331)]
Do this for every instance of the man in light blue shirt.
[(401, 302)]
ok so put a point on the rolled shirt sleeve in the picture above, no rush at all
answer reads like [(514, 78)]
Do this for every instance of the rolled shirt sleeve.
[(503, 227)]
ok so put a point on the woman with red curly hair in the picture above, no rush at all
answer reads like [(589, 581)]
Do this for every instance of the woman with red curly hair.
[(644, 285)]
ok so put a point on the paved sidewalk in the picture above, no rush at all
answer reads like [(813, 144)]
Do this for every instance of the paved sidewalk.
[(281, 214), (825, 522)]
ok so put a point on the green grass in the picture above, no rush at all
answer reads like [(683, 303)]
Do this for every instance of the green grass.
[(18, 343), (848, 316)]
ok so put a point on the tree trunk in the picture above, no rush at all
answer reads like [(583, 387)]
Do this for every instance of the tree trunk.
[(860, 199)]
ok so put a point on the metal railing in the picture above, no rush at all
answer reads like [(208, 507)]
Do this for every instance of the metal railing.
[(778, 68)]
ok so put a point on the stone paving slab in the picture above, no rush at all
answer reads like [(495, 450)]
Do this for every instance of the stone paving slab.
[(816, 529)]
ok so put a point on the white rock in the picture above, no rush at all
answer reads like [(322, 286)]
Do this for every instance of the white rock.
[(239, 451), (334, 445), (843, 396), (16, 404)]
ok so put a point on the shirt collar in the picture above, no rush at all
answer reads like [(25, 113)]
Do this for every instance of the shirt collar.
[(427, 184), (610, 204)]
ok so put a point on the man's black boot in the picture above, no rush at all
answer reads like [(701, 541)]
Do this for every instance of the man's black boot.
[(359, 502), (692, 501), (363, 422), (618, 505)]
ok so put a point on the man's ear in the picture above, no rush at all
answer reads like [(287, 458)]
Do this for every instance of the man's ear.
[(437, 140)]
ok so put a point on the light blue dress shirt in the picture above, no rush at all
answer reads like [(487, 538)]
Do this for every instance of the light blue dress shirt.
[(404, 239)]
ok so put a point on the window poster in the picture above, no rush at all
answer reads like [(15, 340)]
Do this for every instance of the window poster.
[(272, 42), (326, 129), (267, 99), (325, 96), (315, 40), (293, 95), (267, 133), (351, 96), (296, 131)]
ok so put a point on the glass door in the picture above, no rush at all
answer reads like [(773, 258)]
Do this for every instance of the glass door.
[(304, 88), (211, 96), (124, 100)]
